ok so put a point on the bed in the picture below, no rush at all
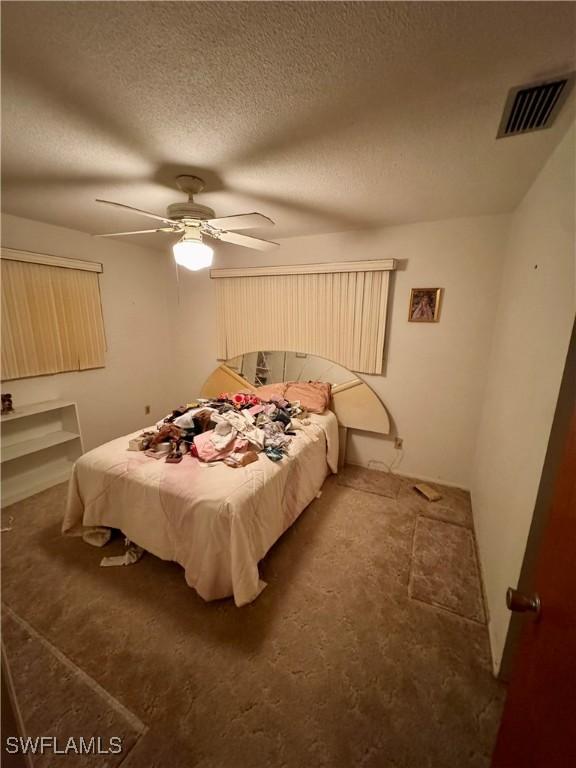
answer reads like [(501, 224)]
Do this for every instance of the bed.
[(217, 522)]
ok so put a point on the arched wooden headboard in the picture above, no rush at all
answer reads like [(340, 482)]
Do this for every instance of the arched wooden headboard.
[(356, 405), (224, 379)]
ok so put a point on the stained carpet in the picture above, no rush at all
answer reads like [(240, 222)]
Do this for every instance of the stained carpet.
[(334, 665)]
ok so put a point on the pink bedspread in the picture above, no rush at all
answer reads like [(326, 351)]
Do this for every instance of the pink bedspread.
[(216, 521)]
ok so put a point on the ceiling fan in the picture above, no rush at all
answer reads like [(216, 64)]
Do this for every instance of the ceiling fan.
[(194, 222)]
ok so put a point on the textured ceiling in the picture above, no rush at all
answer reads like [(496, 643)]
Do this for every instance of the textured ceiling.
[(324, 116)]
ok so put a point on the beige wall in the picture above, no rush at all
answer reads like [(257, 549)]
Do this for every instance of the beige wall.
[(137, 290), (533, 326), (197, 337), (434, 375)]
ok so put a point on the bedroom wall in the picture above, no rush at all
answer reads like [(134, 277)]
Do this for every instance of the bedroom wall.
[(434, 373), (137, 291), (533, 325)]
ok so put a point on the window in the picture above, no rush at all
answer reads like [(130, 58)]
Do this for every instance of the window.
[(336, 311), (51, 315)]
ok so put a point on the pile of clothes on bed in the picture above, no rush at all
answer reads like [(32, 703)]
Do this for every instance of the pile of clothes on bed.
[(233, 429)]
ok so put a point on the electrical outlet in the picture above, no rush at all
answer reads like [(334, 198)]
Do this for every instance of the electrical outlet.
[(398, 443), (147, 409)]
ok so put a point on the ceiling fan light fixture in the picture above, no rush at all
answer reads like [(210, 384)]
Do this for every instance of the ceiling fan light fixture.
[(192, 253), (194, 222)]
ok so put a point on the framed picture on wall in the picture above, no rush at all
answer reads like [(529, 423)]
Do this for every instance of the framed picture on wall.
[(424, 305)]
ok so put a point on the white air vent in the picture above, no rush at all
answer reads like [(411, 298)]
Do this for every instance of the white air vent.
[(534, 107)]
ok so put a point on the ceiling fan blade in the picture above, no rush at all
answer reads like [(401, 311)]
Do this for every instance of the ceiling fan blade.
[(241, 221), (246, 241), (138, 210), (137, 232)]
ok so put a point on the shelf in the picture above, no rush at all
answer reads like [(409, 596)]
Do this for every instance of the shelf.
[(28, 487), (40, 444), (26, 447), (34, 408)]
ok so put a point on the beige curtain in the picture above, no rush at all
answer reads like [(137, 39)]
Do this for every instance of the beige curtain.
[(340, 316), (51, 320)]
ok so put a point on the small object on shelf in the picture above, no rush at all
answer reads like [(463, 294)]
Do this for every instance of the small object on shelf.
[(7, 406), (428, 492)]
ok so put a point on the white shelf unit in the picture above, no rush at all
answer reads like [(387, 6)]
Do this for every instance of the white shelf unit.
[(40, 443)]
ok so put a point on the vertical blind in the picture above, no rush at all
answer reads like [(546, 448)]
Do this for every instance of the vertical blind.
[(51, 320), (339, 315)]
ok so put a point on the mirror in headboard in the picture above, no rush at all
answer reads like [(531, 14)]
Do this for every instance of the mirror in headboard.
[(260, 368), (355, 404)]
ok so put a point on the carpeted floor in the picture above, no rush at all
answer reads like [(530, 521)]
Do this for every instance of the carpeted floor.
[(382, 483), (334, 665), (444, 571)]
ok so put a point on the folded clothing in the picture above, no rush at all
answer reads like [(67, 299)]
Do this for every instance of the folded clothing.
[(238, 459)]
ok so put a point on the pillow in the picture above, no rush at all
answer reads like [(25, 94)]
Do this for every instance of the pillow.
[(271, 390), (313, 395)]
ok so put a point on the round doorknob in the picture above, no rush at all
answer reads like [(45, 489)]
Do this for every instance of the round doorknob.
[(521, 603)]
